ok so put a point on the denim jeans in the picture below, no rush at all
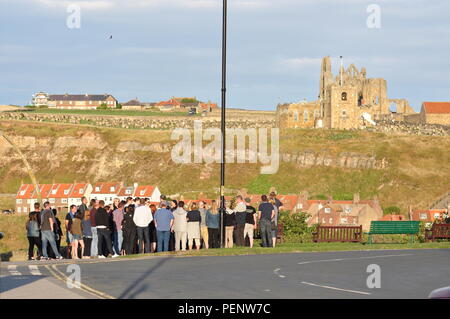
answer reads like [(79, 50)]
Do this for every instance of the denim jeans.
[(266, 232), (118, 239), (143, 239), (49, 237), (94, 244), (162, 238)]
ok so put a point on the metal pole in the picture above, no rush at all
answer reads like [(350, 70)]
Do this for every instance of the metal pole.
[(223, 126)]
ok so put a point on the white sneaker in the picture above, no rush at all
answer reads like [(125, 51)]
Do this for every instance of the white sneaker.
[(101, 256), (115, 256)]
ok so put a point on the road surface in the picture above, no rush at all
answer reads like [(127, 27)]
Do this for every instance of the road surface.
[(403, 274)]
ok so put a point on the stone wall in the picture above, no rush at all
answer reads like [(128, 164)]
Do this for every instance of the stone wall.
[(142, 122), (404, 128)]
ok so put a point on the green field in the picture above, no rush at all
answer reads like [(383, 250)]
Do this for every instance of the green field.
[(110, 112)]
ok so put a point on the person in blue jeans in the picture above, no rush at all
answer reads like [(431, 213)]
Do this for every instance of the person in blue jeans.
[(47, 234), (164, 224)]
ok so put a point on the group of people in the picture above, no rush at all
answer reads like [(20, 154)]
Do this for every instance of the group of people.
[(139, 226)]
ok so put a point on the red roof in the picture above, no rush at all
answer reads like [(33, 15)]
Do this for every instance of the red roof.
[(437, 107), (144, 191), (78, 190), (123, 191), (25, 191), (105, 188), (60, 191)]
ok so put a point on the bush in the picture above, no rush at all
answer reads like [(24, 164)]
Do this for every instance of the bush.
[(391, 210), (119, 106), (102, 107), (296, 228)]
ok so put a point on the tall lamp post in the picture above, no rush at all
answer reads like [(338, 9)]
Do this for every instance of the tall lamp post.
[(223, 126), (27, 165)]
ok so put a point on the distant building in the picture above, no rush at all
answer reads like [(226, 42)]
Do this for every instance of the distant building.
[(148, 191), (79, 190), (126, 191), (133, 105), (435, 113), (428, 215), (71, 101), (106, 191)]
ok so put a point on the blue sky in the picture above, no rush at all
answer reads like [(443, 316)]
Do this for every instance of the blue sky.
[(164, 48)]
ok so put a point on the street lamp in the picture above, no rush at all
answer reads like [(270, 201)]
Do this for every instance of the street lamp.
[(223, 126), (27, 165)]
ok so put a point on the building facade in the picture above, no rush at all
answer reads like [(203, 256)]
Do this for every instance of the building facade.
[(74, 101), (435, 113)]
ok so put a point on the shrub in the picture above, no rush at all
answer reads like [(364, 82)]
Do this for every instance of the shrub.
[(391, 210), (296, 228), (102, 107)]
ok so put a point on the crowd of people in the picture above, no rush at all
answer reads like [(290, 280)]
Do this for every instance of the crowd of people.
[(136, 226)]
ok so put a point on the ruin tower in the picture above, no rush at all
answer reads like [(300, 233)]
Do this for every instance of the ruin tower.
[(326, 77)]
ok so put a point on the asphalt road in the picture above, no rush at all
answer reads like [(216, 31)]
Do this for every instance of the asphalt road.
[(403, 273)]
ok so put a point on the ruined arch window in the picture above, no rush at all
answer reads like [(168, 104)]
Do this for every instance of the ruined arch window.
[(296, 116), (360, 100), (344, 96), (305, 116), (344, 113)]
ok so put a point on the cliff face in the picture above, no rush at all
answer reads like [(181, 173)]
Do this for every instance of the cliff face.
[(400, 171)]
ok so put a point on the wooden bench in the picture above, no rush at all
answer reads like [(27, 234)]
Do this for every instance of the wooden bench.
[(338, 234), (438, 231), (393, 227)]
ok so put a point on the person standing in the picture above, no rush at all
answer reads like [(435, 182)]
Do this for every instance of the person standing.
[(57, 230), (87, 234), (118, 233), (76, 230), (48, 236), (240, 210), (33, 234), (250, 221), (180, 227), (274, 222), (129, 231), (164, 226), (67, 224), (193, 226), (213, 222), (230, 223), (152, 230), (83, 208), (203, 228), (102, 221), (142, 218), (266, 213), (94, 244)]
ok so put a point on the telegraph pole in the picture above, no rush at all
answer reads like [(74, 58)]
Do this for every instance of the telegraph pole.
[(223, 125)]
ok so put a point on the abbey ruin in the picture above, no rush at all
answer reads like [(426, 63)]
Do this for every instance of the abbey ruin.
[(347, 101)]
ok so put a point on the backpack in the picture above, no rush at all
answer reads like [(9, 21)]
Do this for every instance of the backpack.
[(33, 229)]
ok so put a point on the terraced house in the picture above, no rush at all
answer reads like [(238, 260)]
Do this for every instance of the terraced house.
[(74, 101)]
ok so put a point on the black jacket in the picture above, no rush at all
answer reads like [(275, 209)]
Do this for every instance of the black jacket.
[(102, 218)]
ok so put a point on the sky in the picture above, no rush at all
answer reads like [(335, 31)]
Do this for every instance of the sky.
[(165, 48)]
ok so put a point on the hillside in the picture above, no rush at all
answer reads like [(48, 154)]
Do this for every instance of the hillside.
[(400, 170)]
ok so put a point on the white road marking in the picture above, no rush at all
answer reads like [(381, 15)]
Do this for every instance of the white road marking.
[(13, 270), (267, 290), (334, 288), (276, 273), (354, 258), (35, 270)]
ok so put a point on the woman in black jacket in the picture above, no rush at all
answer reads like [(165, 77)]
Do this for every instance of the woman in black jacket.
[(230, 223), (129, 231)]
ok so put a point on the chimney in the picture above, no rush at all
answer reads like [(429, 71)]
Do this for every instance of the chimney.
[(356, 198)]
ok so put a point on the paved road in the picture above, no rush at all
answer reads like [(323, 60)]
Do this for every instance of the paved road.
[(404, 274)]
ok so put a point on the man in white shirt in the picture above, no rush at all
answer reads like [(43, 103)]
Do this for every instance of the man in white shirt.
[(142, 218)]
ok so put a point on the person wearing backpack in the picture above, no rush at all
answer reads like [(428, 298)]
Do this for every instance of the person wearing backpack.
[(33, 233)]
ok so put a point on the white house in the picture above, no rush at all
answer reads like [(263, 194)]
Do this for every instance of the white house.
[(79, 190), (106, 191)]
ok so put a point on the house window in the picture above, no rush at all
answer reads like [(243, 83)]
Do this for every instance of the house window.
[(81, 191), (344, 113), (299, 206), (111, 189), (305, 116), (64, 200), (28, 201), (19, 209), (344, 221), (142, 193), (25, 210), (296, 116), (327, 210), (437, 215), (54, 192), (19, 201), (22, 193), (52, 200), (344, 96), (128, 191), (423, 216), (97, 189), (66, 192), (331, 220)]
